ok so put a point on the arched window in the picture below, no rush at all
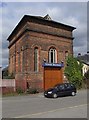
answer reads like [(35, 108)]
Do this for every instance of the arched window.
[(36, 56), (52, 55), (66, 54)]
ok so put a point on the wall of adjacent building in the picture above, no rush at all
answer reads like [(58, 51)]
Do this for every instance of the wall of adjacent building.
[(85, 68)]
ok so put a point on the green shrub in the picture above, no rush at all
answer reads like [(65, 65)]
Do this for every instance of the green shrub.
[(19, 90), (8, 77), (32, 91)]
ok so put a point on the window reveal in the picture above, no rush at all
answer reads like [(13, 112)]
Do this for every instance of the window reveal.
[(36, 59)]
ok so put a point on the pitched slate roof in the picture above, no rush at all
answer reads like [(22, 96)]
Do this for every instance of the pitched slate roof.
[(84, 58)]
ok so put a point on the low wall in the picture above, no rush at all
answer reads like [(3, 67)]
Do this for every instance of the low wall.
[(7, 86)]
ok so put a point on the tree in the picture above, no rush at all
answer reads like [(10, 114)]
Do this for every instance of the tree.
[(6, 75), (73, 71)]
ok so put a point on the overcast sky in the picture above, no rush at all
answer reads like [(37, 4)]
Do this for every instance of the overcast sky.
[(70, 13)]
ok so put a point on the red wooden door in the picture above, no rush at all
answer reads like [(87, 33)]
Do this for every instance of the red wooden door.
[(52, 76)]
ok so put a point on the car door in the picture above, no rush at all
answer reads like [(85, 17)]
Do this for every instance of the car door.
[(67, 89), (61, 90)]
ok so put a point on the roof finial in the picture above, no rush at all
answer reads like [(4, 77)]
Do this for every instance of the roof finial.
[(47, 17)]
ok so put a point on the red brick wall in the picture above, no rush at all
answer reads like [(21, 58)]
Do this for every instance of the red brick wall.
[(51, 29), (24, 48)]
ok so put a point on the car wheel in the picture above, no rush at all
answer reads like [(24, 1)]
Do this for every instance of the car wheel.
[(55, 95), (73, 93)]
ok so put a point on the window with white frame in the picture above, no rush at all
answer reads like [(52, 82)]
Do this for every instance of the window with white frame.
[(52, 55)]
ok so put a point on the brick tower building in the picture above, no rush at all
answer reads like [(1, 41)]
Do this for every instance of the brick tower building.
[(36, 40)]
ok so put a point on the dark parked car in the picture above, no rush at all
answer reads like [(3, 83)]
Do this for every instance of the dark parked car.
[(64, 89)]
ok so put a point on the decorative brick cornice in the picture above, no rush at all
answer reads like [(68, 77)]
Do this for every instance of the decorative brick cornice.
[(39, 31)]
